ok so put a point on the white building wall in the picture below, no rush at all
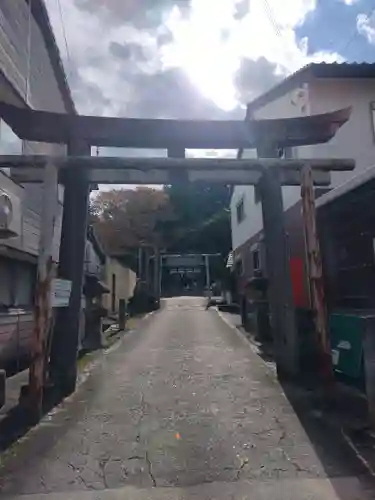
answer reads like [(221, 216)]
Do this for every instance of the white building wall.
[(356, 139), (290, 105)]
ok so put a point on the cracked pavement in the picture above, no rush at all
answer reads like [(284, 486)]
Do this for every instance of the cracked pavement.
[(180, 408)]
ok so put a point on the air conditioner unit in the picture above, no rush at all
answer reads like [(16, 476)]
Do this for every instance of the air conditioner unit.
[(10, 214)]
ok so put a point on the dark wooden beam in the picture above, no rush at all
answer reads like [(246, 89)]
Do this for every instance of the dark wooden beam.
[(233, 176), (59, 128), (106, 163), (102, 170)]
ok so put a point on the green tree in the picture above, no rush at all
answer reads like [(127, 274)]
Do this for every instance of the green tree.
[(128, 218), (202, 218)]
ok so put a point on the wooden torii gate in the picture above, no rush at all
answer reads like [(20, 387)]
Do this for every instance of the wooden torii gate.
[(79, 170)]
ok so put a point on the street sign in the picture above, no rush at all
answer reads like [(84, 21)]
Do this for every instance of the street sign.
[(60, 292)]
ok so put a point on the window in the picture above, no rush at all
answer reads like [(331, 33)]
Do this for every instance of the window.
[(240, 209), (17, 283), (24, 284), (255, 258)]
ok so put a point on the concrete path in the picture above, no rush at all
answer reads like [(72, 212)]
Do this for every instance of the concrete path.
[(181, 409)]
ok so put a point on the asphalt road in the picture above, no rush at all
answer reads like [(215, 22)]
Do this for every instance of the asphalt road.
[(181, 408)]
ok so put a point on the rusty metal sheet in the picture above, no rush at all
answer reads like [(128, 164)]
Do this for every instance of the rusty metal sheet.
[(42, 316), (315, 272)]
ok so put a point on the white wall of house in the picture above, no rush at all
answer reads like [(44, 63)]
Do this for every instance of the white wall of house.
[(356, 139), (290, 105), (121, 281)]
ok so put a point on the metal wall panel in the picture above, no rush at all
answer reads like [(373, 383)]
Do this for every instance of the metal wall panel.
[(42, 92), (15, 58)]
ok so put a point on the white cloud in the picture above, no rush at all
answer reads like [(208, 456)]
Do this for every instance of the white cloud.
[(179, 58), (366, 27), (208, 42), (266, 32), (349, 2)]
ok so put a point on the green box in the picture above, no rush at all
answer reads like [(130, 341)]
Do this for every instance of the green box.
[(346, 336)]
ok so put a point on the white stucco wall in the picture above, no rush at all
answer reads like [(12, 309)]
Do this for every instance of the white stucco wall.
[(289, 105), (354, 140)]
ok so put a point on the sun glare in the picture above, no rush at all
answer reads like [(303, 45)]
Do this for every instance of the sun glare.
[(203, 48)]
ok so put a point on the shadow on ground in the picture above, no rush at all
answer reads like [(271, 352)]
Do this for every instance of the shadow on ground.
[(335, 423), (329, 424)]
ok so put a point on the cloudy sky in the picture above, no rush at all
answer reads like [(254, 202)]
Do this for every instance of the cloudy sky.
[(199, 58)]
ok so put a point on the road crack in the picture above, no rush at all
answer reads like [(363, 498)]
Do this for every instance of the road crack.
[(140, 417), (242, 466), (102, 466), (149, 466)]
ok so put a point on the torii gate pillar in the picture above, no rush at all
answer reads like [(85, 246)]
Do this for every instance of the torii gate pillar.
[(283, 319), (66, 336)]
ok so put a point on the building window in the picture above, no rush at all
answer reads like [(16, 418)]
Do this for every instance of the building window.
[(255, 259), (240, 210), (17, 283)]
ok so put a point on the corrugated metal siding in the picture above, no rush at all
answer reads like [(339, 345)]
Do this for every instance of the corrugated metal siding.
[(43, 94), (14, 24), (348, 249)]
